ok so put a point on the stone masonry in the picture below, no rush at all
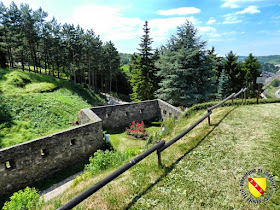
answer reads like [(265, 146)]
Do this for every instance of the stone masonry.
[(23, 164)]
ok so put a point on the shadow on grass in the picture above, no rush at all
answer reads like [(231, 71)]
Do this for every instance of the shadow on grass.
[(172, 166)]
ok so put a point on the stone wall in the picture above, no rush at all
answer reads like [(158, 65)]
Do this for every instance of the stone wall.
[(23, 164), (167, 110), (120, 115)]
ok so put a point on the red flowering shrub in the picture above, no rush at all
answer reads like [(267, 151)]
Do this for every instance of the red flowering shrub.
[(137, 130)]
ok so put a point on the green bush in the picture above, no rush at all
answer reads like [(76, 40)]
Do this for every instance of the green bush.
[(275, 83), (105, 159), (23, 200), (167, 127)]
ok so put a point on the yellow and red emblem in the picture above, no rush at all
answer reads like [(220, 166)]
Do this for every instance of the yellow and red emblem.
[(257, 186)]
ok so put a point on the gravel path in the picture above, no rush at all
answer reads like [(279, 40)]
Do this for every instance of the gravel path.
[(59, 188)]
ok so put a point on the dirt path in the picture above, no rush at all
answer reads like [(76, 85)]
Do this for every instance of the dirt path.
[(113, 100)]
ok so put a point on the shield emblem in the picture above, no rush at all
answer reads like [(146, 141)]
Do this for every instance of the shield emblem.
[(257, 186)]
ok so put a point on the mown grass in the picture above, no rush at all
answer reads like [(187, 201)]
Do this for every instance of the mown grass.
[(34, 105), (202, 170)]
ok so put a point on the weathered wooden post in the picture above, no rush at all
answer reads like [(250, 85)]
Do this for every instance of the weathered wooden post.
[(159, 159), (258, 95), (209, 123)]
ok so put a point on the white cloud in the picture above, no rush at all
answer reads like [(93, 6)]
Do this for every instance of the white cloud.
[(249, 10), (211, 21), (222, 34), (110, 24), (206, 29), (179, 11), (231, 18), (237, 3), (230, 3), (161, 27), (232, 22), (107, 21)]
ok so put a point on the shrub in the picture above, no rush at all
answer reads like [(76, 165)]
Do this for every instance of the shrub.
[(23, 200), (137, 130), (275, 83), (105, 159), (167, 127)]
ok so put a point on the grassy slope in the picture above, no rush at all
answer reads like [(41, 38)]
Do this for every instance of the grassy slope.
[(204, 176), (271, 89), (34, 105)]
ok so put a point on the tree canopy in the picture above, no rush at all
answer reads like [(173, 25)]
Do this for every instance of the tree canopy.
[(186, 69), (30, 41)]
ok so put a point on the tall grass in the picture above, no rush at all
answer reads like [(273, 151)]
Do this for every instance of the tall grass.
[(34, 105)]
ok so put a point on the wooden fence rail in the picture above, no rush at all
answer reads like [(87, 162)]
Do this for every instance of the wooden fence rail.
[(159, 147)]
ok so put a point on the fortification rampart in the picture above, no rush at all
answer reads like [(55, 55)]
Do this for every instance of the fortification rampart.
[(23, 164)]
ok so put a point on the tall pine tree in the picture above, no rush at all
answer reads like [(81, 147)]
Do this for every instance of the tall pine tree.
[(143, 69), (252, 69), (234, 71), (222, 86), (186, 69)]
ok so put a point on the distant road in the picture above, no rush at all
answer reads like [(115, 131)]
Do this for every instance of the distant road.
[(277, 93)]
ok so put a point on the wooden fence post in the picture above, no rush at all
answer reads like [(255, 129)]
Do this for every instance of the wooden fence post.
[(159, 159), (209, 123)]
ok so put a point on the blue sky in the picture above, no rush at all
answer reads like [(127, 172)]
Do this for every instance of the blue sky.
[(243, 26)]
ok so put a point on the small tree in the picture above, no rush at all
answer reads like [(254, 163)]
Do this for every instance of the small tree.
[(222, 86), (234, 71), (252, 69)]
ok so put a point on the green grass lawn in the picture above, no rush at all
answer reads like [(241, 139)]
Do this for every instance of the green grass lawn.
[(202, 170), (34, 105)]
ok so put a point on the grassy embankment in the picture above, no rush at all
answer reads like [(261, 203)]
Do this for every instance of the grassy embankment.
[(202, 170), (34, 105), (272, 87)]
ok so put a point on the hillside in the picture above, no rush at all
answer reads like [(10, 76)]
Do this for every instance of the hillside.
[(202, 170), (273, 59), (33, 105)]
